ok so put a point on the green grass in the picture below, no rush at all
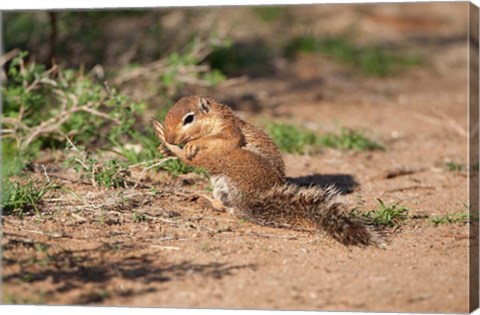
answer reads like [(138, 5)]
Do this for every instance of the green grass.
[(292, 139), (103, 172), (111, 173), (455, 218), (19, 197), (349, 140), (387, 215), (371, 59)]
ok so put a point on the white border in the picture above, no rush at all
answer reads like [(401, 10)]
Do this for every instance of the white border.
[(6, 5)]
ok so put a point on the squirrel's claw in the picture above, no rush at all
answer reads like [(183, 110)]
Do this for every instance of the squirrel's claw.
[(164, 150), (191, 150), (160, 131)]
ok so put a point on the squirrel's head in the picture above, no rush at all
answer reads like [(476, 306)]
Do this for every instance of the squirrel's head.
[(189, 119)]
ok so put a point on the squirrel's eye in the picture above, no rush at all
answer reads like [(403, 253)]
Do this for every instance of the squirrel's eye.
[(189, 119)]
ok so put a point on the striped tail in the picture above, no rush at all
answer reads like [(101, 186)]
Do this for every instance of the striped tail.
[(313, 208)]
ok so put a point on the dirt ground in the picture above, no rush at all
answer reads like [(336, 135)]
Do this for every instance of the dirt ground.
[(183, 255)]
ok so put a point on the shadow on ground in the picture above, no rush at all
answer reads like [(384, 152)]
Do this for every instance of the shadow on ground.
[(73, 269), (343, 182)]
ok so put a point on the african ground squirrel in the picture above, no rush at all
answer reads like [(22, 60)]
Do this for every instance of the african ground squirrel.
[(248, 173)]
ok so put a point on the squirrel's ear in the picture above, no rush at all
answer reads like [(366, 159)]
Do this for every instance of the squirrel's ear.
[(204, 105)]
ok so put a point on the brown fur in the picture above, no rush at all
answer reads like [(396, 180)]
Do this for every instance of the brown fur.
[(249, 174), (223, 118)]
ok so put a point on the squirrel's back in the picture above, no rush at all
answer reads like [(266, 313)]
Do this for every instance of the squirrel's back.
[(257, 141)]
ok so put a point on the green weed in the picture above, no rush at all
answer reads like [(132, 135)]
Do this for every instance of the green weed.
[(455, 218), (387, 215), (108, 173), (292, 139), (20, 197), (111, 173), (349, 140), (371, 59)]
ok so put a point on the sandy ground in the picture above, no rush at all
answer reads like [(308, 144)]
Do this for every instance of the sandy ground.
[(187, 256)]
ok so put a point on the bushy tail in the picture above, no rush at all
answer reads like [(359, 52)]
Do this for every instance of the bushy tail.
[(313, 208)]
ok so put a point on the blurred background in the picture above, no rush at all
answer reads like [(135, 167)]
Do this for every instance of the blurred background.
[(98, 76), (297, 45)]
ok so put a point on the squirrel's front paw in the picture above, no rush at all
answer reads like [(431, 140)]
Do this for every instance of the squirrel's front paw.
[(191, 150), (165, 147), (159, 130), (164, 150)]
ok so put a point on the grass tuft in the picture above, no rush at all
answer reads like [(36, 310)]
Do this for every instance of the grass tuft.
[(20, 198), (371, 59), (387, 215), (292, 139), (349, 140), (449, 218)]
